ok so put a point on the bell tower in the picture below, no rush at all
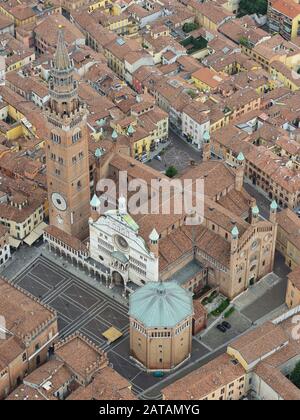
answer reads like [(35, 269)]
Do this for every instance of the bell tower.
[(67, 148)]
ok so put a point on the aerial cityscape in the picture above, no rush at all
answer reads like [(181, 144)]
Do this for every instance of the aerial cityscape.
[(149, 201)]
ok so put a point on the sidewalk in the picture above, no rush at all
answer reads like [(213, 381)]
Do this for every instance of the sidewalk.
[(178, 134), (254, 292), (161, 147), (112, 293)]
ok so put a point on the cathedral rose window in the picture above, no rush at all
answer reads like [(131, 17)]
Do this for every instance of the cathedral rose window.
[(121, 242)]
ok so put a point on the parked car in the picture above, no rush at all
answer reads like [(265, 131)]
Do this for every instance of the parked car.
[(158, 158), (226, 325), (221, 328), (158, 374)]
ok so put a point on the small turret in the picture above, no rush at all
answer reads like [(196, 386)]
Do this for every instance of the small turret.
[(130, 130), (240, 172), (114, 135), (122, 205), (273, 212), (206, 146), (95, 207), (153, 242), (235, 239)]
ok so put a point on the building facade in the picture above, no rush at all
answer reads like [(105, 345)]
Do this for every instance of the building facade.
[(115, 243), (29, 332), (293, 290), (4, 245), (284, 18), (288, 241)]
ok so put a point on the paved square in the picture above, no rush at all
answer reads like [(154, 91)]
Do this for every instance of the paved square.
[(33, 286), (66, 308), (114, 318), (82, 307), (80, 296), (96, 327), (51, 277)]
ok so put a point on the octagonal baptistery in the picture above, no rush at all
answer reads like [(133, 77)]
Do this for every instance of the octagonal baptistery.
[(161, 326)]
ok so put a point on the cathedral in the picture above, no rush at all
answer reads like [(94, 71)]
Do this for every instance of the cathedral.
[(233, 248)]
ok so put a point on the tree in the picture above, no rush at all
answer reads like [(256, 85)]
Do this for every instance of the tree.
[(247, 7), (171, 171), (190, 26), (245, 42), (192, 93), (295, 376)]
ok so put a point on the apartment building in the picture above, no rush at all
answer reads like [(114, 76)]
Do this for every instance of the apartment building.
[(29, 330), (284, 18), (288, 239)]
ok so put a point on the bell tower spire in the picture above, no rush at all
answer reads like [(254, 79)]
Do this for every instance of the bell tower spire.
[(61, 58), (67, 148), (63, 86)]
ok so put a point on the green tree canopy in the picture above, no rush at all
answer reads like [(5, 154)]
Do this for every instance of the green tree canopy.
[(295, 375), (248, 7), (171, 171)]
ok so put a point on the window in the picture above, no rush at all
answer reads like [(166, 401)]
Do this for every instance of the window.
[(76, 136), (55, 138)]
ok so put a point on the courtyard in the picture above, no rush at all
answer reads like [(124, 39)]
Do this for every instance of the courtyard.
[(178, 154)]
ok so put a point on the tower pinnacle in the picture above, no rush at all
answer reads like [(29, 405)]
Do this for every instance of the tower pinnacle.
[(61, 57)]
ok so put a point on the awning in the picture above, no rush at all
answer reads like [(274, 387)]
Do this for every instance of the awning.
[(31, 238), (15, 243), (37, 232), (112, 334)]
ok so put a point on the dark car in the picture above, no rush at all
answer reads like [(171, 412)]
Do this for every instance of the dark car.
[(221, 328), (226, 325)]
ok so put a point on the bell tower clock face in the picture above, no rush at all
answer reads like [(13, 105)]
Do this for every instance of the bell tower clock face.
[(59, 202)]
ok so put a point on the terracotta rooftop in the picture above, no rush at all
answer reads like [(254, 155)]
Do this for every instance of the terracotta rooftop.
[(257, 344), (80, 355), (23, 313), (204, 381), (106, 385), (288, 8)]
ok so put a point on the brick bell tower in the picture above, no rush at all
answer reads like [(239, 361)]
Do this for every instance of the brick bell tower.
[(67, 148)]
